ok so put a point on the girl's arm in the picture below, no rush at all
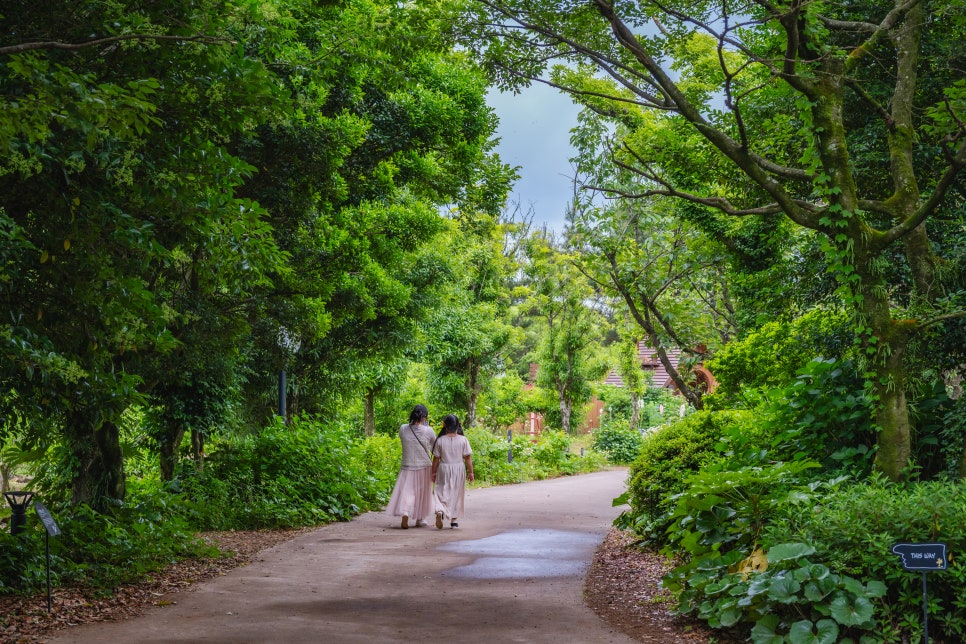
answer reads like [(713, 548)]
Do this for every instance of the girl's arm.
[(469, 467), (435, 467)]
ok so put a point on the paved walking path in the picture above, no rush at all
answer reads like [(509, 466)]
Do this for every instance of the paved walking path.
[(512, 572)]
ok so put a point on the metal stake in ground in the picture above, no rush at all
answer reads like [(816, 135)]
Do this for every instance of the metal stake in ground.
[(51, 530)]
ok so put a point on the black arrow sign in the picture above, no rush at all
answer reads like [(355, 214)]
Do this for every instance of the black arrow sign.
[(921, 556)]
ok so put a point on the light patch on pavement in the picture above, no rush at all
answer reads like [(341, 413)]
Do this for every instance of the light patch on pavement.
[(525, 554)]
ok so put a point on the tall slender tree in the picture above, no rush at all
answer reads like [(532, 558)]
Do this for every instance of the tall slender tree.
[(563, 299)]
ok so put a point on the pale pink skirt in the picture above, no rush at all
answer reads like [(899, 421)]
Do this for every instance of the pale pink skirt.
[(451, 489), (413, 494)]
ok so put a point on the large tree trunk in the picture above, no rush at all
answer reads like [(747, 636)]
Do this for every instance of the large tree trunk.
[(99, 478), (169, 445), (473, 393), (892, 416), (894, 449), (369, 413), (858, 261), (4, 478), (884, 341), (566, 412), (198, 448), (635, 410)]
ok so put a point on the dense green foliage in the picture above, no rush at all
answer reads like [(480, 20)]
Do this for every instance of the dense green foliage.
[(778, 532), (830, 177), (216, 192), (567, 355), (618, 440), (672, 453), (497, 462), (772, 549), (852, 530), (100, 550), (770, 355), (289, 475)]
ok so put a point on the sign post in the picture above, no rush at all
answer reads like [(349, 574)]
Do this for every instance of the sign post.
[(509, 449), (51, 530), (922, 557)]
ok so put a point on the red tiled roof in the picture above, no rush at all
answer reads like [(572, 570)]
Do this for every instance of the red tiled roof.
[(651, 364)]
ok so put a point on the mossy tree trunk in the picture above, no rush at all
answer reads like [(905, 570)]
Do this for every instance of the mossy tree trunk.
[(99, 462)]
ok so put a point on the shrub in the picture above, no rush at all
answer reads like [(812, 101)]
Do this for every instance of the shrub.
[(733, 577), (490, 462), (668, 455), (660, 405), (23, 563), (303, 473), (617, 440), (793, 600), (794, 560), (552, 449), (953, 437), (853, 530), (549, 455), (825, 415)]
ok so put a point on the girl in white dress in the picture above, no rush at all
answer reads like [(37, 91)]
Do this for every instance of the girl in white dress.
[(452, 466), (412, 498)]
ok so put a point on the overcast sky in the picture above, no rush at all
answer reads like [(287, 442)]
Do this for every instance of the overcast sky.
[(534, 134)]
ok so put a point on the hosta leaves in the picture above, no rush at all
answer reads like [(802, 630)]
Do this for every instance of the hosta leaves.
[(786, 551), (851, 611), (784, 590), (764, 631), (804, 632)]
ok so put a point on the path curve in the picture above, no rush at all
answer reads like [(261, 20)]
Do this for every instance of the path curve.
[(512, 572)]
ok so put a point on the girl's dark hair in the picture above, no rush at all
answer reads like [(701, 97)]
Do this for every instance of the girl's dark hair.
[(418, 414), (451, 424)]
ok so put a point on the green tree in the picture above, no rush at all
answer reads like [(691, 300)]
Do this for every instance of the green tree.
[(469, 335), (667, 276), (191, 184), (632, 375), (846, 119), (356, 185), (113, 182), (562, 298)]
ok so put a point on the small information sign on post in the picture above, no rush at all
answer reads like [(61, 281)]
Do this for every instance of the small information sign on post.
[(46, 519), (52, 530), (923, 557)]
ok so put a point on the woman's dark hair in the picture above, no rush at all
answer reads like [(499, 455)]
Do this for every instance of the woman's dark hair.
[(451, 424), (418, 414)]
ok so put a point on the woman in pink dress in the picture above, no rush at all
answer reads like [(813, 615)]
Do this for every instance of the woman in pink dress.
[(412, 498), (452, 466)]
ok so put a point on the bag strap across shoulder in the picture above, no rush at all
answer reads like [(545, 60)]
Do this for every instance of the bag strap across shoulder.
[(416, 436)]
